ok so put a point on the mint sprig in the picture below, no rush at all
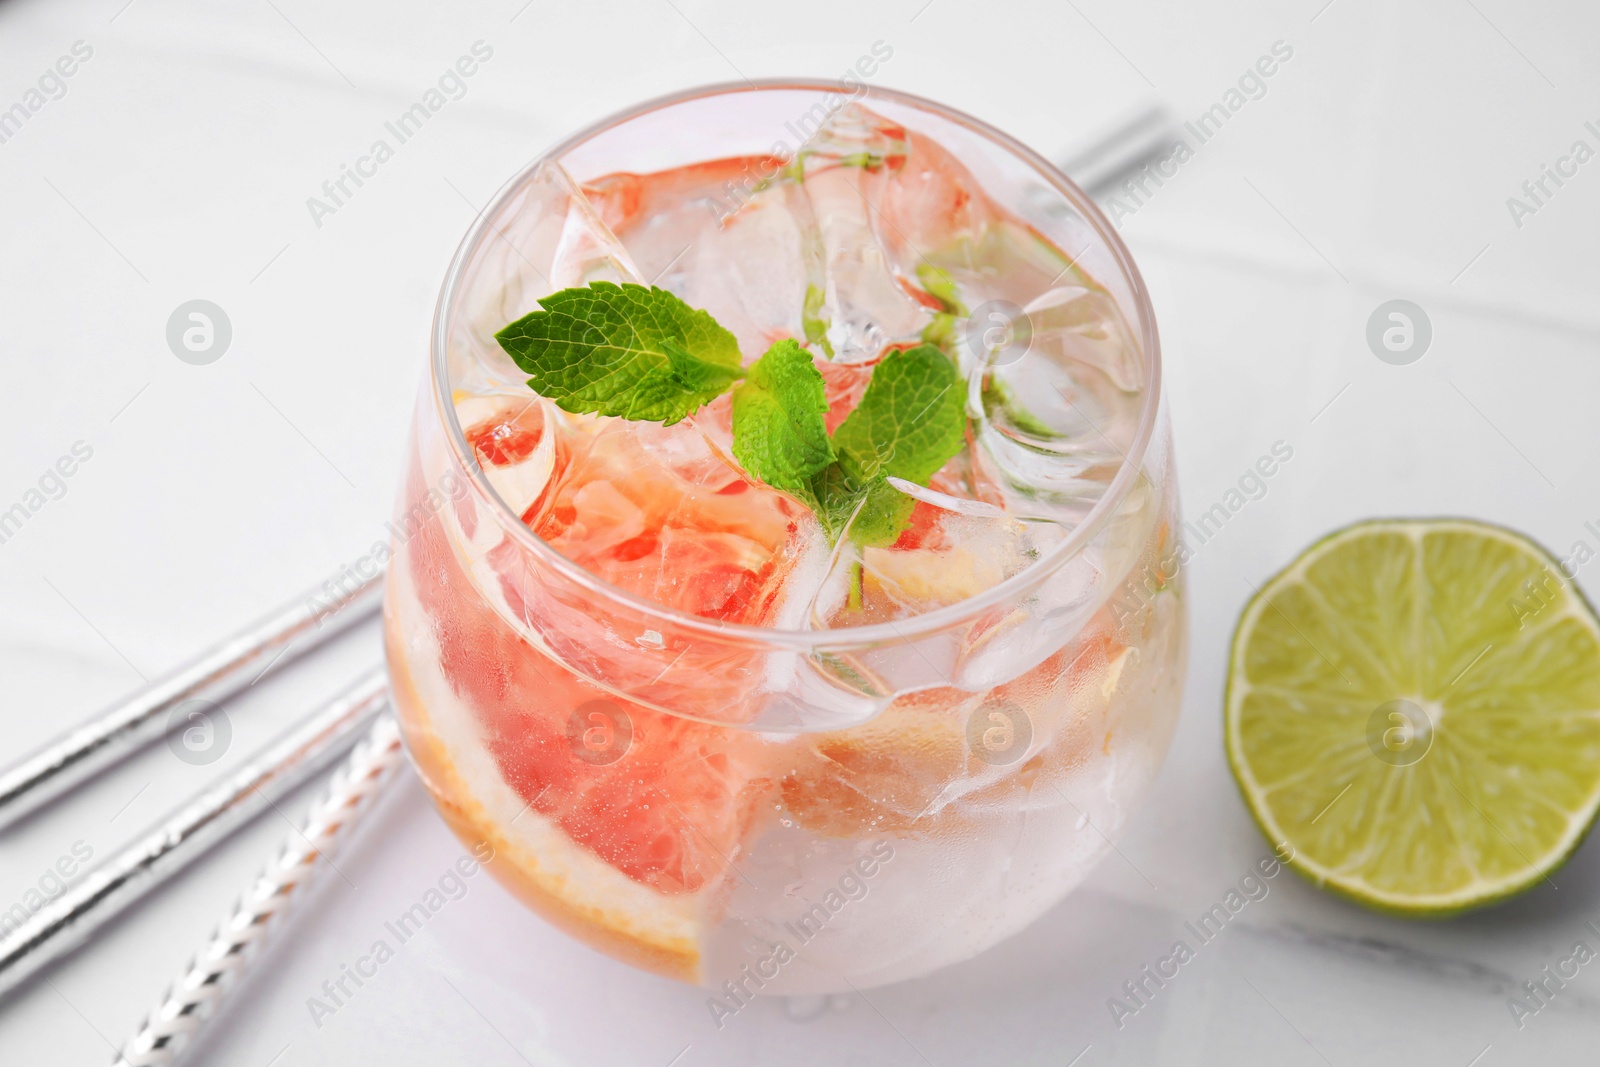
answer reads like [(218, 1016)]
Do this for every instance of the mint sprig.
[(641, 353)]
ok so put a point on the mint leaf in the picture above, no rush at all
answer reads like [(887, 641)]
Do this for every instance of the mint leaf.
[(833, 496), (937, 282), (910, 422), (885, 512), (998, 398), (814, 322), (623, 350), (911, 419), (779, 432)]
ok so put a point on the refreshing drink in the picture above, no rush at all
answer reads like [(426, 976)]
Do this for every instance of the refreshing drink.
[(785, 579)]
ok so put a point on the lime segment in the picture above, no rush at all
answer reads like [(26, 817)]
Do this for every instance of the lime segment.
[(1413, 713)]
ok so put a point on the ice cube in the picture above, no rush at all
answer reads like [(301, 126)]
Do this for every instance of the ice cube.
[(1084, 325), (949, 554), (514, 444), (1052, 436), (1015, 641), (724, 237), (849, 165), (568, 232), (802, 690), (929, 208)]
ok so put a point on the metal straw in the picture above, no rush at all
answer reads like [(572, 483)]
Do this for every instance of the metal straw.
[(1140, 136), (282, 637), (67, 921), (216, 972)]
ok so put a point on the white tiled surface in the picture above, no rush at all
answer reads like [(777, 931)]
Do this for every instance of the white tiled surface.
[(177, 166)]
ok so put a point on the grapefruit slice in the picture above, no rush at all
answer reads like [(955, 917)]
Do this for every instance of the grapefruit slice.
[(628, 844), (556, 877)]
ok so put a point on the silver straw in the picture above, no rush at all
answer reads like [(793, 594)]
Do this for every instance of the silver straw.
[(69, 920), (136, 721), (1124, 146), (164, 1039)]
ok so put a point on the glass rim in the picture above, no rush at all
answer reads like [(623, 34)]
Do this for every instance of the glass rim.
[(897, 631)]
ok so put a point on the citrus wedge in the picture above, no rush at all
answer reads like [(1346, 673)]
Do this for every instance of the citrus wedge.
[(1413, 714)]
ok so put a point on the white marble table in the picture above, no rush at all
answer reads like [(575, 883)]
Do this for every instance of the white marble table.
[(176, 164)]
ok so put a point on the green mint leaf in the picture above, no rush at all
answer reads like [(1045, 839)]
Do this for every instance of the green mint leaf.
[(941, 331), (936, 282), (910, 422), (623, 350), (998, 398), (814, 322), (885, 512), (864, 159), (833, 496), (779, 432)]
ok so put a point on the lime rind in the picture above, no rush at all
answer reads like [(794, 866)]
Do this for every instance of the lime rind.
[(1435, 823)]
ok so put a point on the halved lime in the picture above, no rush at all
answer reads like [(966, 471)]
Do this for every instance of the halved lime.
[(1413, 714)]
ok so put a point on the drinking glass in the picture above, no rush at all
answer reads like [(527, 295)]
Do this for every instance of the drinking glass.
[(798, 806)]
